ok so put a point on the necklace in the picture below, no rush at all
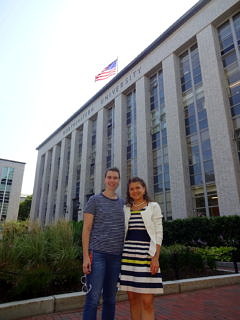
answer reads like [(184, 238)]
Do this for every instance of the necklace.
[(139, 205)]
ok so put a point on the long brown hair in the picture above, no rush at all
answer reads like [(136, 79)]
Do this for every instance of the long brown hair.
[(129, 200)]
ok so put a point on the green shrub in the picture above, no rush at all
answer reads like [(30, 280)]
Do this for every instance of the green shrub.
[(30, 248), (33, 281), (202, 231), (11, 229), (61, 247), (218, 254), (179, 261), (35, 261), (77, 235)]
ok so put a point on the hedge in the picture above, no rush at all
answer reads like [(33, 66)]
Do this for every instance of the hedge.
[(202, 231), (36, 261)]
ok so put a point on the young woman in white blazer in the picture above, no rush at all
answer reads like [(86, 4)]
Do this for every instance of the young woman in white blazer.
[(140, 273)]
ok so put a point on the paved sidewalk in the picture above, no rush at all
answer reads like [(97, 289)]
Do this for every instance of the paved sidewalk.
[(222, 303)]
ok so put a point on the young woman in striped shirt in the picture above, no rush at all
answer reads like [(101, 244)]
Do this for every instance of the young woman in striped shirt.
[(140, 273)]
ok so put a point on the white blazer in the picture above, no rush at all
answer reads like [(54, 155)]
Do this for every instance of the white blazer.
[(152, 218)]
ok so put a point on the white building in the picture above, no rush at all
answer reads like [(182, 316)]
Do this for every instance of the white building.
[(171, 116), (11, 175)]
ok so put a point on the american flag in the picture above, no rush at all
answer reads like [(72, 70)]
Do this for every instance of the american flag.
[(107, 72)]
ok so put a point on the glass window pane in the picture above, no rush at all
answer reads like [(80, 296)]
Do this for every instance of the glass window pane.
[(235, 99), (197, 79), (208, 166), (200, 202), (207, 154), (229, 59), (236, 21), (235, 110), (209, 177), (202, 114), (191, 129), (196, 180), (203, 124), (213, 200)]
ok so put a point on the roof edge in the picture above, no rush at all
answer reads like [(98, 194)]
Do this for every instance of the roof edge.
[(12, 161)]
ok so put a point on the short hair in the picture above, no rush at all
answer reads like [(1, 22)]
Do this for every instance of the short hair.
[(115, 169)]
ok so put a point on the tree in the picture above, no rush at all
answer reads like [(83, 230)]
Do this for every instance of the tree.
[(24, 208)]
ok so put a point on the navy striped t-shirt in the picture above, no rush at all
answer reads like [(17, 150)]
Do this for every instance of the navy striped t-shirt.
[(107, 234)]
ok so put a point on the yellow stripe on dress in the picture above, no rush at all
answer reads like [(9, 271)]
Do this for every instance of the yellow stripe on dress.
[(135, 261)]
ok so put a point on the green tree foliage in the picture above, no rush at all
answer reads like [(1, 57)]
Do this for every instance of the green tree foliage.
[(24, 208)]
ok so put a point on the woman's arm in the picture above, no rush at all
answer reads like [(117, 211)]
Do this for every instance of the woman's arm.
[(157, 220), (87, 228), (154, 264)]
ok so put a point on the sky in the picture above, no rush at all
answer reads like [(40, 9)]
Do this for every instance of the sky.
[(50, 53)]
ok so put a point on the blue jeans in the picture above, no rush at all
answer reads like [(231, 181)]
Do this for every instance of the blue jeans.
[(102, 280)]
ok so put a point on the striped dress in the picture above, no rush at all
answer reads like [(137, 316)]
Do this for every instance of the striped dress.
[(135, 269)]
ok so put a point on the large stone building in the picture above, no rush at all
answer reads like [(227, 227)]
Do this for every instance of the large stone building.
[(171, 116), (11, 175)]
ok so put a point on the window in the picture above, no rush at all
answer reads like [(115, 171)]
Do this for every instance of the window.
[(228, 34), (92, 156), (161, 178), (201, 171), (110, 128), (132, 135), (6, 179)]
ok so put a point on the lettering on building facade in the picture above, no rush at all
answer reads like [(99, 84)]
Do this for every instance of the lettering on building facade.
[(112, 93), (123, 84), (79, 120)]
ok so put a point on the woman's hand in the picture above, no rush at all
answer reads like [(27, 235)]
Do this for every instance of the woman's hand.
[(87, 264), (154, 265)]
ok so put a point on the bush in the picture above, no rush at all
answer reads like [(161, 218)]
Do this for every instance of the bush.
[(36, 260), (77, 235), (218, 254), (177, 261), (203, 231)]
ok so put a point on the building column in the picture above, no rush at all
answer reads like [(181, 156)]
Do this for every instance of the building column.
[(120, 142), (72, 174), (52, 181), (181, 194), (144, 143), (84, 165), (100, 151), (34, 213), (61, 180), (45, 187), (221, 131)]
